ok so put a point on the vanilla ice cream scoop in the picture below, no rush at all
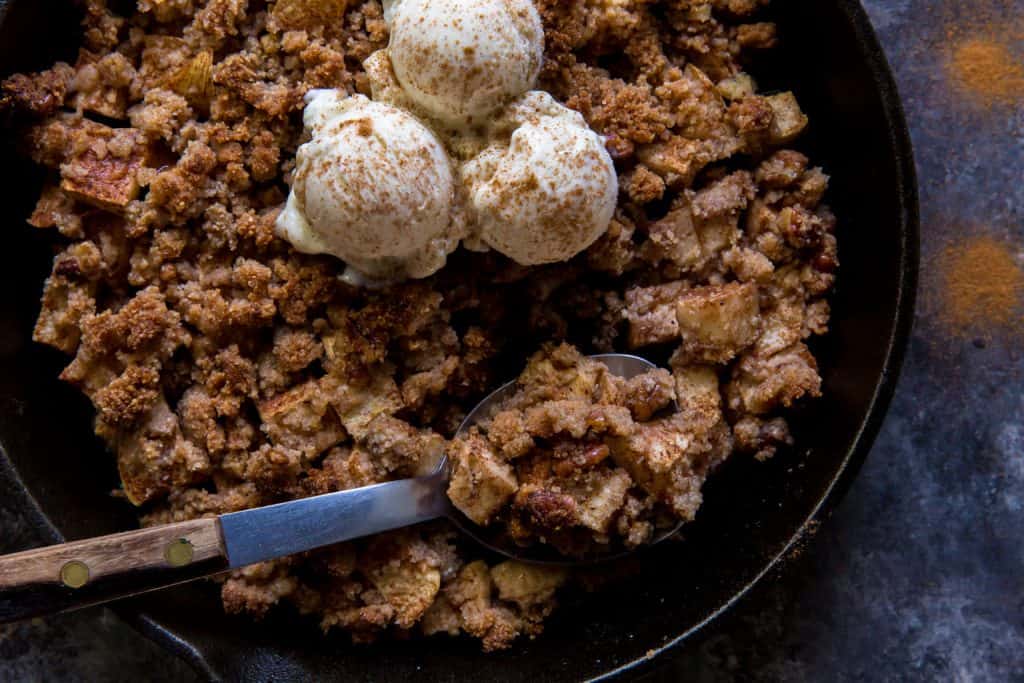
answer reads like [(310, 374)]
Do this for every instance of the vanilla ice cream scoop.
[(373, 187), (461, 60), (548, 191)]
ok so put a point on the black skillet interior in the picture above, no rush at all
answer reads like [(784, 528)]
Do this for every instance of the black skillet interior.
[(753, 512)]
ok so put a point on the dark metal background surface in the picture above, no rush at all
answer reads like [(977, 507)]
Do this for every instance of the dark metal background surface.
[(845, 84)]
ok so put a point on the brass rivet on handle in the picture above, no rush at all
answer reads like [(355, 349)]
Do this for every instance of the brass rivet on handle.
[(179, 552), (74, 574)]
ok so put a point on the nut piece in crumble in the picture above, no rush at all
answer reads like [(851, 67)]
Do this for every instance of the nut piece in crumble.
[(229, 370)]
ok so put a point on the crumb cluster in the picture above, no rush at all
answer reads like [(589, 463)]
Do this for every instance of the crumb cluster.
[(229, 371), (588, 462)]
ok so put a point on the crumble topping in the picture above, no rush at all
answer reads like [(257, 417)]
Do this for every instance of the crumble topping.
[(230, 371), (586, 461)]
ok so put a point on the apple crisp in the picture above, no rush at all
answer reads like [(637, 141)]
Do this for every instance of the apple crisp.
[(228, 370), (585, 461)]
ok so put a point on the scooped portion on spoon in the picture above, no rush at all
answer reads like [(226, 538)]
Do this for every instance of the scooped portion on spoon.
[(582, 459)]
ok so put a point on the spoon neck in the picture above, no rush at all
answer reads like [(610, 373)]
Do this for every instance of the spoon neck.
[(260, 534)]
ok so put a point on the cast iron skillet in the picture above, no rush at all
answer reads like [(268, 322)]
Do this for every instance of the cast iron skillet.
[(754, 513)]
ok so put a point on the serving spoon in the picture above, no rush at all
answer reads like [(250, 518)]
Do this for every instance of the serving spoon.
[(96, 570)]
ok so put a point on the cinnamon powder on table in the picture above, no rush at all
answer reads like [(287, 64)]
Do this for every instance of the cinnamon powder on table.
[(986, 62), (981, 288)]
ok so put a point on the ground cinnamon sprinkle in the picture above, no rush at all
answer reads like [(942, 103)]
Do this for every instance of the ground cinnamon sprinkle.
[(981, 287), (989, 70), (985, 61)]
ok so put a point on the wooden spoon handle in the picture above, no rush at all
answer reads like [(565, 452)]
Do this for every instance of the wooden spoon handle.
[(72, 575)]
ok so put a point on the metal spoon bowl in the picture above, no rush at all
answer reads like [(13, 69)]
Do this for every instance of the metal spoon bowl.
[(97, 570), (619, 364)]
